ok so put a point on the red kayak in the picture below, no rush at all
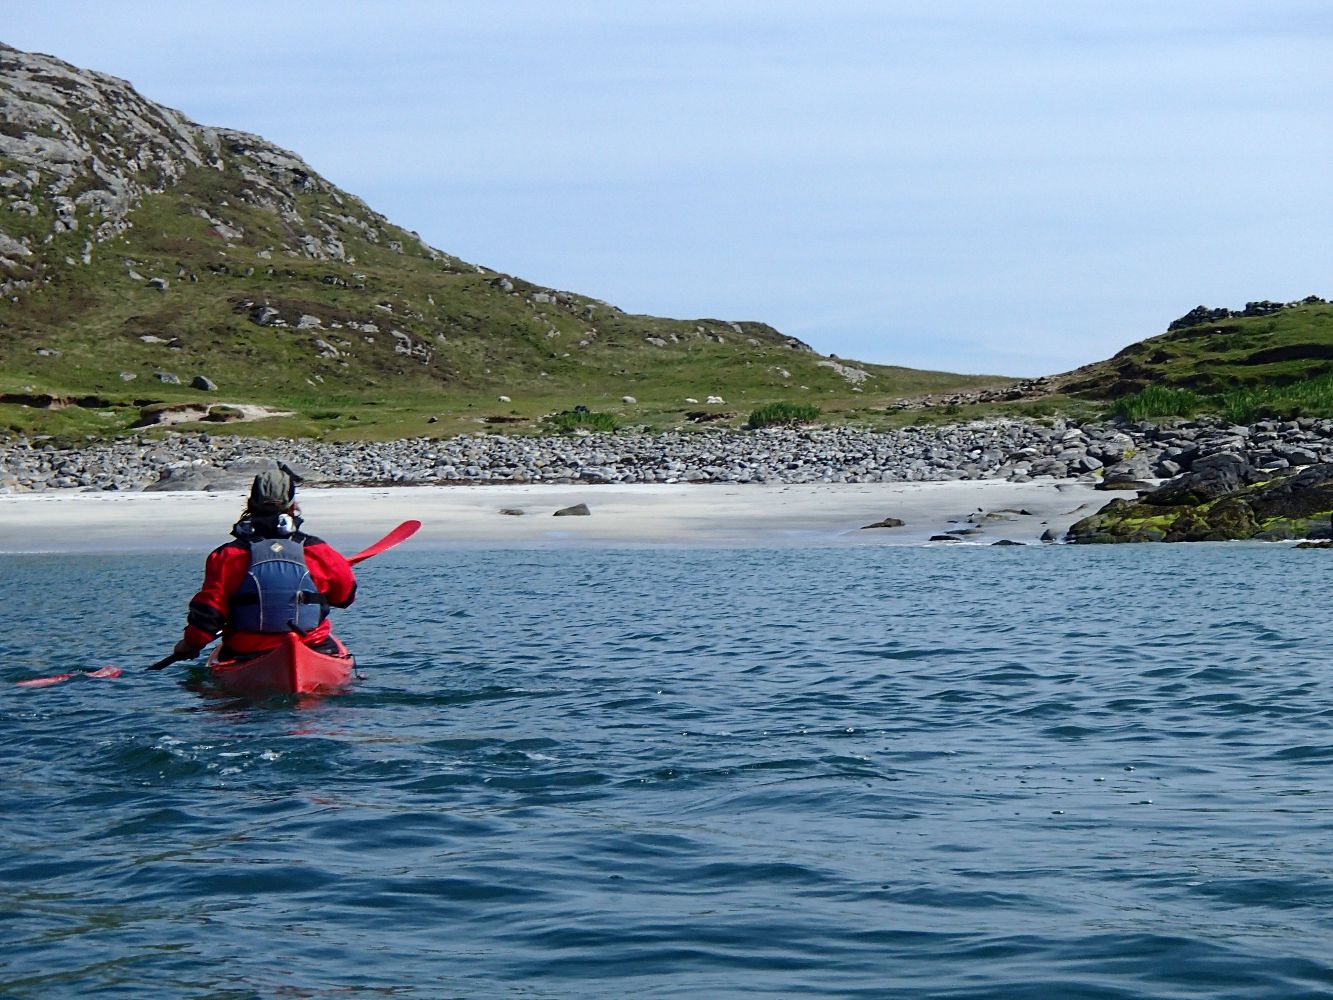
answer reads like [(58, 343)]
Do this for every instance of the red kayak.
[(291, 668)]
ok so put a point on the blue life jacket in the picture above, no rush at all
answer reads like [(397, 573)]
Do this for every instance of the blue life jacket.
[(278, 591)]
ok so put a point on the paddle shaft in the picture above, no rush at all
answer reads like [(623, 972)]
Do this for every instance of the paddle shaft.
[(166, 661), (399, 534)]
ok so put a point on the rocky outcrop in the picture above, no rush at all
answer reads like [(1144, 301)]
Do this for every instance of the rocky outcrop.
[(1200, 315), (79, 151), (1222, 499)]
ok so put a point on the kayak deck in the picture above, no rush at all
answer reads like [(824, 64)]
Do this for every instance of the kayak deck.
[(290, 668)]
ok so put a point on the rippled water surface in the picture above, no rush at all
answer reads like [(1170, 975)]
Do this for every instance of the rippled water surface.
[(887, 772)]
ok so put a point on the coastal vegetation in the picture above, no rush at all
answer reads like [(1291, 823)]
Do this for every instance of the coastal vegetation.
[(1155, 402), (782, 414), (1216, 352), (1311, 397), (582, 419)]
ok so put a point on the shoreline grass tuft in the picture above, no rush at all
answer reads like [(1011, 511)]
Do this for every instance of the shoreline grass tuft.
[(570, 421), (782, 415), (1311, 397), (1158, 401)]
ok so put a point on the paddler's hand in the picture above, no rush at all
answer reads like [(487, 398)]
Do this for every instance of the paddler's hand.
[(185, 650)]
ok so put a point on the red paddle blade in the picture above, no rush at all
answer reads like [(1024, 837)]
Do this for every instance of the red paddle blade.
[(401, 533), (37, 682)]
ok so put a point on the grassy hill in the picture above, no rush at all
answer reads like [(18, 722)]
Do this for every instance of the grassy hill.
[(140, 253), (1269, 359), (1211, 351)]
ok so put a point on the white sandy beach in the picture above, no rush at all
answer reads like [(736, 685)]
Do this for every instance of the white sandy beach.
[(702, 515)]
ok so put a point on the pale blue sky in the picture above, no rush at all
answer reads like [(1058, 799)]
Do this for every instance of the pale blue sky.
[(1016, 187)]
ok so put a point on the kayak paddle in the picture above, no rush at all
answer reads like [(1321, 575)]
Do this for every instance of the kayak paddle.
[(37, 682), (166, 661), (401, 533)]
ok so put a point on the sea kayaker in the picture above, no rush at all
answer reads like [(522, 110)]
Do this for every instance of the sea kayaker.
[(273, 578)]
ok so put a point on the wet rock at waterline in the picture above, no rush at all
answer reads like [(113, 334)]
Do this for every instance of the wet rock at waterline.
[(1224, 501)]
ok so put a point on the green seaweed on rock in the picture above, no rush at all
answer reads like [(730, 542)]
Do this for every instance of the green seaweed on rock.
[(1295, 504)]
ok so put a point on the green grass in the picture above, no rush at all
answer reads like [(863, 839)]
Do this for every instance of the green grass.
[(1305, 398), (1240, 353), (783, 414), (575, 420), (1158, 401)]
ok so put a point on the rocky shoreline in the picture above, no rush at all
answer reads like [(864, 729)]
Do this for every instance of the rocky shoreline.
[(1116, 455), (1222, 498)]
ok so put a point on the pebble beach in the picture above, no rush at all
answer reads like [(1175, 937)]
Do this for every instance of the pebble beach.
[(979, 483), (1008, 450)]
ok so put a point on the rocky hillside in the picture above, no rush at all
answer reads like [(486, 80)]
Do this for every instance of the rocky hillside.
[(149, 263)]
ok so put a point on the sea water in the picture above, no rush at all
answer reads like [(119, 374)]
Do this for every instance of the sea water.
[(849, 772)]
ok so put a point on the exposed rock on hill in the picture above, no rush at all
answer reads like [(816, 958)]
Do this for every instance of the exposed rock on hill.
[(79, 150), (1200, 315)]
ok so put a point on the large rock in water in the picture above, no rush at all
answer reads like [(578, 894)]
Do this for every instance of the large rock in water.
[(1221, 500)]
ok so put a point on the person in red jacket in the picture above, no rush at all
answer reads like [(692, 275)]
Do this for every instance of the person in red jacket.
[(272, 579)]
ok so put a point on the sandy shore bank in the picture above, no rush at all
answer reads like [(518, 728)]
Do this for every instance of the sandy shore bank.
[(722, 515)]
